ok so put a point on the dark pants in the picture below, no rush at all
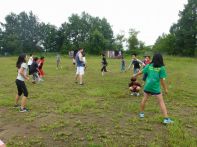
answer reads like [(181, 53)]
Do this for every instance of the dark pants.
[(104, 68), (29, 69), (21, 87)]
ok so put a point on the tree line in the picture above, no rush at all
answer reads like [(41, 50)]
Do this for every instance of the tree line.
[(25, 33), (182, 39)]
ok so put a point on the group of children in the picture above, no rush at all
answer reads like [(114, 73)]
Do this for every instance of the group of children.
[(34, 67), (154, 74)]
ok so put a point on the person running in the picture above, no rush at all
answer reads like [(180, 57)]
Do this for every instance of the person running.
[(80, 67), (122, 66), (40, 67), (156, 75), (20, 82), (104, 64), (30, 61), (136, 64)]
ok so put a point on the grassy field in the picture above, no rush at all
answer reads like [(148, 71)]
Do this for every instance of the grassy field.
[(100, 113)]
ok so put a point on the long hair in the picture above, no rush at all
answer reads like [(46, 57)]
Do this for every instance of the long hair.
[(21, 59), (157, 60)]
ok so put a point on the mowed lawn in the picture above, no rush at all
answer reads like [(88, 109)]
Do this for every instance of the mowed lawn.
[(100, 113)]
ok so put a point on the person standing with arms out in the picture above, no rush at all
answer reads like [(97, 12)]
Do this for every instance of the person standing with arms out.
[(80, 67), (122, 67), (20, 82), (30, 61), (156, 75), (136, 64), (104, 64)]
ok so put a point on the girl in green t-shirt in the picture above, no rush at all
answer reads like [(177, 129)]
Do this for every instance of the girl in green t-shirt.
[(156, 75)]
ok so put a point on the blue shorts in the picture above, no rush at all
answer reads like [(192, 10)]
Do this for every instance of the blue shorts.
[(152, 93)]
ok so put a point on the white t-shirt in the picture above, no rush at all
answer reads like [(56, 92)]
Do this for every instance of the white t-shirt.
[(20, 77), (30, 61)]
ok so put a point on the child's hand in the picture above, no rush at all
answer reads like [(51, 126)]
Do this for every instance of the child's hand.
[(166, 91), (27, 78)]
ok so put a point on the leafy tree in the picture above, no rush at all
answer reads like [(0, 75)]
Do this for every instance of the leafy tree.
[(97, 42), (133, 41), (185, 31), (165, 43)]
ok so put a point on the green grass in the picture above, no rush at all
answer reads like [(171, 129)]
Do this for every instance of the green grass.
[(100, 113)]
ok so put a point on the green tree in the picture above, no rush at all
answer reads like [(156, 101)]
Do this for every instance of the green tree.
[(165, 44), (97, 42), (185, 31), (133, 41)]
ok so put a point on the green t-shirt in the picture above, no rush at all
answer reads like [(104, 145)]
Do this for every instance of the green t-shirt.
[(153, 79)]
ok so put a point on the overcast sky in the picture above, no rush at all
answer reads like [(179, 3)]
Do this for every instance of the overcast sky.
[(150, 17)]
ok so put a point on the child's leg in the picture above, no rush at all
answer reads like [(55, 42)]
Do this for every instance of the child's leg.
[(142, 105), (24, 99), (138, 88), (17, 99), (162, 105), (23, 102)]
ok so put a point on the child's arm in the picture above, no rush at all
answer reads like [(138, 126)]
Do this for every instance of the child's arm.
[(130, 65), (137, 74), (164, 85)]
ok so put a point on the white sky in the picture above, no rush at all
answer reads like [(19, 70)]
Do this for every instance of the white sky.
[(150, 17)]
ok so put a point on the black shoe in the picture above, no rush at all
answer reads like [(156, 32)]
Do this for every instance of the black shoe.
[(16, 106)]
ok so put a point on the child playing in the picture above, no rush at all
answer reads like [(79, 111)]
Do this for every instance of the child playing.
[(30, 61), (58, 62), (40, 66), (156, 75), (122, 67), (136, 64), (21, 87), (146, 62), (84, 59), (134, 87), (104, 64), (34, 71)]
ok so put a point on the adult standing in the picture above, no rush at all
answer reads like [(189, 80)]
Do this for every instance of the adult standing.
[(80, 66)]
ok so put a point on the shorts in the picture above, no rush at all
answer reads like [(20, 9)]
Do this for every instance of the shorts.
[(21, 87), (80, 70), (152, 93)]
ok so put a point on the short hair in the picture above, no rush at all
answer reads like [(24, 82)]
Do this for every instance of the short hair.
[(133, 79)]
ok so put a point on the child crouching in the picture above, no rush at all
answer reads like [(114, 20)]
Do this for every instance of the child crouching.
[(134, 87)]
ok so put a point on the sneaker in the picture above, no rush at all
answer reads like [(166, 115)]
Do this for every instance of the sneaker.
[(167, 121), (137, 94), (132, 93), (16, 106), (24, 110), (141, 115)]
